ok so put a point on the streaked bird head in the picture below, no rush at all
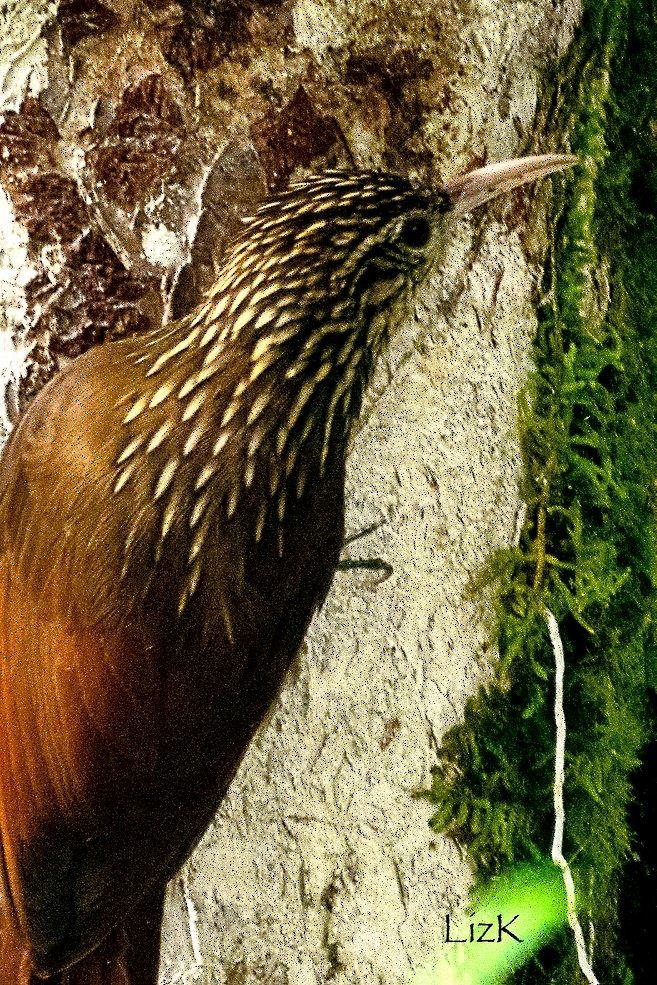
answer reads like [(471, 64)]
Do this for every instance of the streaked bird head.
[(339, 253), (254, 392)]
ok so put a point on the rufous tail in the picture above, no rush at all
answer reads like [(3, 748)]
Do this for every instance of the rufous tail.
[(128, 956)]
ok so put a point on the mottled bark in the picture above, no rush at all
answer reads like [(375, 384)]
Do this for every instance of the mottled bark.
[(133, 137)]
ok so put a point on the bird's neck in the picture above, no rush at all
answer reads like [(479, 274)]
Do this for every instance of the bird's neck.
[(262, 413)]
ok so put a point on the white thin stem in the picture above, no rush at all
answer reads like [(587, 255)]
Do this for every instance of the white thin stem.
[(189, 974), (559, 810), (521, 516)]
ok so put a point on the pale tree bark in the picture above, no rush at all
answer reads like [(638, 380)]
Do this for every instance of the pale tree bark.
[(133, 136)]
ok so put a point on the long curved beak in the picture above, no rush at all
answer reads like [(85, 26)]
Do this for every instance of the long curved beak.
[(476, 187)]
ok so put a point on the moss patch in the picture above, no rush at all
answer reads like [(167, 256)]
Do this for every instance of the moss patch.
[(588, 549)]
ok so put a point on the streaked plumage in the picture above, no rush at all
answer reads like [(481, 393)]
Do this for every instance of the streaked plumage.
[(171, 514)]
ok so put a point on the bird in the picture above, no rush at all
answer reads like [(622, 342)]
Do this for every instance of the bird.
[(171, 517)]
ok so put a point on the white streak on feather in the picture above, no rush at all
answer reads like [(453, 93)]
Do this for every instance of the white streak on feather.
[(280, 506), (265, 317), (220, 443), (229, 414), (170, 353), (291, 459), (193, 439), (274, 477), (158, 336), (330, 327), (169, 517), (135, 410), (239, 390), (199, 509), (264, 363), (198, 541), (217, 310), (259, 405), (257, 280), (246, 268), (206, 373), (187, 388), (231, 503), (205, 475), (266, 292), (208, 336), (244, 318), (260, 522), (307, 428), (304, 395), (160, 395), (346, 350), (256, 440), (123, 400), (129, 450), (194, 405), (263, 345), (217, 349), (159, 436), (298, 367), (201, 377), (194, 580), (129, 541), (301, 482), (239, 298), (166, 476), (123, 478)]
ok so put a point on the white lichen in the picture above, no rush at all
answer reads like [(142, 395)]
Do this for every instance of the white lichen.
[(23, 51), (316, 26), (16, 272), (162, 246)]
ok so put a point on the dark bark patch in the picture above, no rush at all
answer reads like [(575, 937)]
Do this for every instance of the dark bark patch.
[(390, 69), (192, 48), (394, 74), (50, 207), (140, 144), (147, 97), (390, 729), (96, 297), (199, 36), (83, 292), (235, 187), (294, 136), (93, 299), (26, 139), (79, 19)]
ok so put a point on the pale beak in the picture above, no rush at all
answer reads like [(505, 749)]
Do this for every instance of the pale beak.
[(476, 187)]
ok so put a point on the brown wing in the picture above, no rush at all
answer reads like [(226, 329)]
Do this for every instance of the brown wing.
[(77, 734), (79, 695)]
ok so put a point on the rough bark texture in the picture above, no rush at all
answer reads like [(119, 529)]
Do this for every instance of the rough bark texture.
[(133, 135)]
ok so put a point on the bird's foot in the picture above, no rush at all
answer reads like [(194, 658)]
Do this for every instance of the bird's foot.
[(365, 564)]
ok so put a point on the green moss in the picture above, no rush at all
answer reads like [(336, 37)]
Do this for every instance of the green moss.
[(588, 551)]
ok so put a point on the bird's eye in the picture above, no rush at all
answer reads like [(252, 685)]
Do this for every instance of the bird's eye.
[(415, 232)]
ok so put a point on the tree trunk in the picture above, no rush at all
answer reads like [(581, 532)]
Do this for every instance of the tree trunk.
[(133, 137)]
